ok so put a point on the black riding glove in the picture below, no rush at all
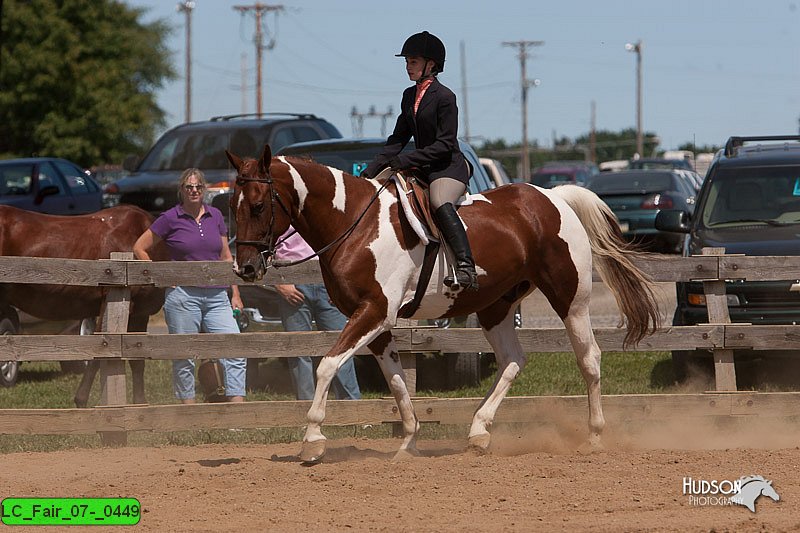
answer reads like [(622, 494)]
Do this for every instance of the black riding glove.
[(395, 164)]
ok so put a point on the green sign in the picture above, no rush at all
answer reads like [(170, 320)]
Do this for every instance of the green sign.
[(70, 511)]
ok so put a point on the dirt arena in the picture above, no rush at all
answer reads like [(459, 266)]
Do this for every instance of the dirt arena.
[(539, 482)]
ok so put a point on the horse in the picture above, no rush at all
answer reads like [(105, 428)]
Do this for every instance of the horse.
[(92, 236), (523, 238)]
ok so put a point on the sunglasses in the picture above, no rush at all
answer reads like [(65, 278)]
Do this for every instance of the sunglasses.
[(190, 188)]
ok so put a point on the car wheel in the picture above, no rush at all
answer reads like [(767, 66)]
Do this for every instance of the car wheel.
[(463, 370), (9, 370)]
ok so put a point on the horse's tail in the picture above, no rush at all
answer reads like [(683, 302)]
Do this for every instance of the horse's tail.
[(632, 288)]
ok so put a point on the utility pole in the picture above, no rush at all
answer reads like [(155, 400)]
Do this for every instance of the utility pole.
[(259, 9), (464, 90), (357, 119), (243, 66), (593, 136), (637, 49), (522, 46), (186, 7)]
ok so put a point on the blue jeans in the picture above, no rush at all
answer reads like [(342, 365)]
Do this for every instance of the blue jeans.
[(317, 307), (207, 309)]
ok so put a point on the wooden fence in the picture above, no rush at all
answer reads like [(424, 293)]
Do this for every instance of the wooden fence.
[(113, 346)]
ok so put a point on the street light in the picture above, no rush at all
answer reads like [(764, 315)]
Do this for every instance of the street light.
[(637, 47)]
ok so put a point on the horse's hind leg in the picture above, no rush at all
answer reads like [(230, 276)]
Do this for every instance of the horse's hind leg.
[(388, 358), (510, 362), (587, 353)]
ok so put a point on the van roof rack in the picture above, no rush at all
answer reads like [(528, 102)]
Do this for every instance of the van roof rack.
[(734, 143), (257, 115)]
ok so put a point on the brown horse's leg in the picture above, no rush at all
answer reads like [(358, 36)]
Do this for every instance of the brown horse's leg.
[(388, 358), (85, 387), (510, 362), (356, 333)]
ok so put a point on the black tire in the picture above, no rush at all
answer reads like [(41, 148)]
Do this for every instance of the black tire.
[(463, 370), (9, 370)]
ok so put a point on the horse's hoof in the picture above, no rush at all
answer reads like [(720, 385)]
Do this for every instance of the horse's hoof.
[(312, 452), (596, 443), (405, 454), (480, 443)]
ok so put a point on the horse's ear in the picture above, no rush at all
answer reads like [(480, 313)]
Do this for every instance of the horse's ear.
[(235, 160), (266, 158)]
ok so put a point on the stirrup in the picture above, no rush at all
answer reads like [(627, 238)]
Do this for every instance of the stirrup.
[(470, 283)]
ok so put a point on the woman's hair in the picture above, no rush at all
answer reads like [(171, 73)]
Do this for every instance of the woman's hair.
[(185, 175)]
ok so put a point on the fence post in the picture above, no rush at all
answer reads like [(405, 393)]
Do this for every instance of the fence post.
[(114, 319), (717, 305)]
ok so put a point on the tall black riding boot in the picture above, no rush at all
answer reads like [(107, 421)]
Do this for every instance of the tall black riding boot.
[(453, 232)]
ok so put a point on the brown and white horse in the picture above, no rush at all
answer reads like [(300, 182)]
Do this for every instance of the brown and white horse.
[(522, 237)]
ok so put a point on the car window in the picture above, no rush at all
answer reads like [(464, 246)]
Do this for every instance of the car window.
[(15, 180), (49, 176), (182, 150), (621, 183), (753, 193), (77, 181)]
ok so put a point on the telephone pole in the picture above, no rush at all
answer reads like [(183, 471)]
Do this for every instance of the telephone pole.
[(259, 9), (186, 7), (522, 47)]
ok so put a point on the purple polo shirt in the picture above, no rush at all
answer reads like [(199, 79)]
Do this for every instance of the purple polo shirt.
[(189, 240)]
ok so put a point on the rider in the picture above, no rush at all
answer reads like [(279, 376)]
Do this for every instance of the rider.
[(428, 112)]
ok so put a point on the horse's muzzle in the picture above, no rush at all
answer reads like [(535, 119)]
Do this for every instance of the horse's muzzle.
[(247, 272)]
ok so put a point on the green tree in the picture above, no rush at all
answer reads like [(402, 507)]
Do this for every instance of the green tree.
[(613, 145), (78, 79)]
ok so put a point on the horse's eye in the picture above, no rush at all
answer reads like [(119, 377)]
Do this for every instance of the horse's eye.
[(240, 182), (256, 209)]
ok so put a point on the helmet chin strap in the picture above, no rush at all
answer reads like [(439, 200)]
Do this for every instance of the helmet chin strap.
[(425, 76)]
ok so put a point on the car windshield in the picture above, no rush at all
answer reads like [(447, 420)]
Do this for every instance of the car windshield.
[(201, 149), (622, 183), (768, 195)]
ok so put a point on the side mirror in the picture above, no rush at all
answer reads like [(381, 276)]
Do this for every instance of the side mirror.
[(130, 163), (673, 220)]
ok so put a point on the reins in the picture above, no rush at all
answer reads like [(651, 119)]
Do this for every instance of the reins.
[(266, 250)]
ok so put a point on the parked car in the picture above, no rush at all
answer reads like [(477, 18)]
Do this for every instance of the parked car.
[(353, 156), (637, 196), (556, 173), (749, 204), (656, 163), (153, 181), (49, 185), (496, 171)]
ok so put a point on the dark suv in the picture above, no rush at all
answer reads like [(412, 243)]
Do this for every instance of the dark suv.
[(749, 204), (153, 181)]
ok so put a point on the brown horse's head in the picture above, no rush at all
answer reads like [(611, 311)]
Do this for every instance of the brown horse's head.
[(261, 209)]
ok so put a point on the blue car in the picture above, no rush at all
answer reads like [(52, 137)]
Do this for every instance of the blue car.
[(49, 185)]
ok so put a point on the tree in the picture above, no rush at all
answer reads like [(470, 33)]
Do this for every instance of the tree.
[(612, 145), (78, 79)]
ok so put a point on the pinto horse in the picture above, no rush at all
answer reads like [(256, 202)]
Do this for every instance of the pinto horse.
[(93, 236), (523, 238)]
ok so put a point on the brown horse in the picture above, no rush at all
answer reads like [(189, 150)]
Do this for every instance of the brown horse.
[(522, 237), (93, 236)]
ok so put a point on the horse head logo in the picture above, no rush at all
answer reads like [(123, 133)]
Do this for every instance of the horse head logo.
[(751, 488)]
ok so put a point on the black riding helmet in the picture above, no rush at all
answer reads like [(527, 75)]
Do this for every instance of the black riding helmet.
[(425, 45)]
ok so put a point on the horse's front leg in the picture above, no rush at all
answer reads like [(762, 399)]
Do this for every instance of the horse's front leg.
[(356, 333), (385, 351)]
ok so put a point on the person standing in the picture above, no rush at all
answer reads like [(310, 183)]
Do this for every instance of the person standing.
[(428, 112), (195, 231), (302, 305)]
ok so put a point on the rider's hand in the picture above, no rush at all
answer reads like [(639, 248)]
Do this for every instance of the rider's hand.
[(395, 163)]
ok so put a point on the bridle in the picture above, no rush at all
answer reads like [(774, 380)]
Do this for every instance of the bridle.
[(265, 248)]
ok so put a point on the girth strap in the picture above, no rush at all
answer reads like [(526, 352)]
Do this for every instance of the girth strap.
[(409, 308)]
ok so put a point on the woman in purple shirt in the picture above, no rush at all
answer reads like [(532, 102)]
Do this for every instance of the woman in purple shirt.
[(194, 231)]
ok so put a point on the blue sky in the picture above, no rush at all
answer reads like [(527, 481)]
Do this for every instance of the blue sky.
[(711, 68)]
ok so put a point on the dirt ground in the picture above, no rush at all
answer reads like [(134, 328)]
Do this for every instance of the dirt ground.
[(529, 482)]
